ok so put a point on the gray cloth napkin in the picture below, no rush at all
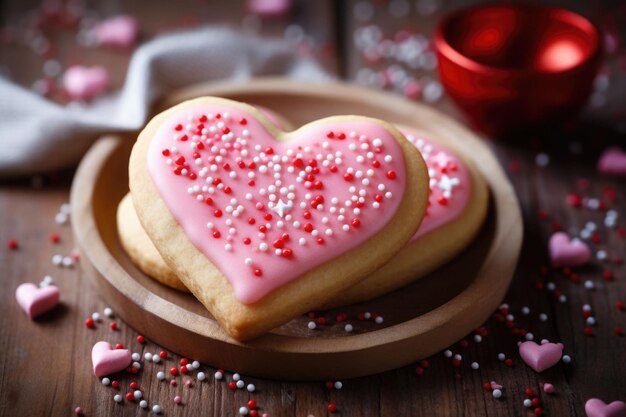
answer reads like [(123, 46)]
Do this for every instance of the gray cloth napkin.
[(38, 135)]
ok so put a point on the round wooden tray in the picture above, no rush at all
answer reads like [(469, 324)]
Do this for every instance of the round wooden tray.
[(419, 320)]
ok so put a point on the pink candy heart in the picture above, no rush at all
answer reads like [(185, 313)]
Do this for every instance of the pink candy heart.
[(540, 357), (597, 408), (269, 8), (612, 162), (85, 82), (108, 361), (118, 32), (567, 252), (36, 301)]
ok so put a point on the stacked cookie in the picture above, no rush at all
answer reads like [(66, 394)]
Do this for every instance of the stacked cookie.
[(262, 225)]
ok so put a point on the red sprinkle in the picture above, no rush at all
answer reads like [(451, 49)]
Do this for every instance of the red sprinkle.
[(90, 323), (134, 385), (113, 325), (174, 371), (12, 244), (141, 339), (391, 174), (163, 354), (332, 407), (55, 238), (119, 346), (115, 384)]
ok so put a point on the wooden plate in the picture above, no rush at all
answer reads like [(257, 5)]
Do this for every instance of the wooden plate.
[(419, 320)]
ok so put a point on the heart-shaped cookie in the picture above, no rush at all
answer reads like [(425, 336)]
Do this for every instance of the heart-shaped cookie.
[(106, 360), (35, 301), (263, 225), (458, 203)]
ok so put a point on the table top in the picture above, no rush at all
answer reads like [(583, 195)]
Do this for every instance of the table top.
[(45, 366)]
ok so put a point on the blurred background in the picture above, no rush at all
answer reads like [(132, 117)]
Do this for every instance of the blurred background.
[(385, 44)]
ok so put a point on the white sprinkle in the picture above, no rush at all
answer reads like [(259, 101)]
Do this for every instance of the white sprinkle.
[(147, 356), (137, 394), (156, 358), (525, 310), (529, 336), (543, 317), (201, 376), (447, 353), (106, 381), (160, 375), (496, 393), (478, 338), (243, 411), (68, 262), (528, 403), (117, 398), (379, 320), (338, 385), (311, 325), (135, 356), (60, 218), (156, 409), (475, 365), (218, 375), (95, 316), (566, 359), (241, 384), (348, 328), (591, 321), (589, 285), (143, 404), (108, 311), (501, 356), (195, 364), (57, 260), (251, 388), (236, 377), (542, 159)]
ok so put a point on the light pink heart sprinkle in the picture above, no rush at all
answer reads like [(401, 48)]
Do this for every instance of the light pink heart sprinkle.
[(108, 361), (85, 82), (598, 408), (118, 32), (36, 301), (612, 162), (567, 252), (269, 8), (540, 357)]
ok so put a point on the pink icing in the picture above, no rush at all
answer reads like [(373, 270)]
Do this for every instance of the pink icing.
[(265, 212), (450, 184)]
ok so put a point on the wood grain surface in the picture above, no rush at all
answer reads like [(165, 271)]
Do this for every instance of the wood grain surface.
[(45, 366)]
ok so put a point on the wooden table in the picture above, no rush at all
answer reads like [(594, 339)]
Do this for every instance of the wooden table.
[(45, 364)]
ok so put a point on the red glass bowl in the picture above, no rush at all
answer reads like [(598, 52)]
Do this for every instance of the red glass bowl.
[(511, 66)]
